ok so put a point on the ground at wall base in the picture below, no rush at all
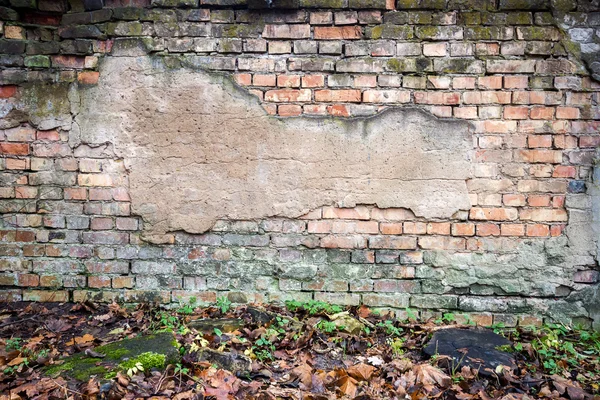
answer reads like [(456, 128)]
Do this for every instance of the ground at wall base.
[(297, 352)]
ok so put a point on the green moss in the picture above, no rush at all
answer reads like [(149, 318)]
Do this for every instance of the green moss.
[(121, 355), (519, 18), (322, 3), (148, 360), (376, 32), (471, 18)]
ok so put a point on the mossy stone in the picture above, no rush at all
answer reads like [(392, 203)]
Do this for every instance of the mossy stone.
[(321, 3), (154, 351), (37, 61)]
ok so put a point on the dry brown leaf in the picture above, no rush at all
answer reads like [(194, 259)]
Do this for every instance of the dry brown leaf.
[(16, 361), (81, 339), (429, 375), (347, 385), (361, 372), (304, 374)]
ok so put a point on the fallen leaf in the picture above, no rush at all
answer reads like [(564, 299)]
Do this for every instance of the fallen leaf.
[(430, 375), (17, 361), (347, 385), (375, 360), (361, 372)]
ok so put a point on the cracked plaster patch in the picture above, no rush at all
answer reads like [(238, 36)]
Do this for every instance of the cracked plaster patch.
[(200, 149)]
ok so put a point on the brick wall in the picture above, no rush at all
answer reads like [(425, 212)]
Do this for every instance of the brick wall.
[(519, 71)]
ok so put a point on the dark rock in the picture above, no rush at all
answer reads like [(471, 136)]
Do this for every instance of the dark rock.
[(81, 31), (223, 324), (476, 348), (260, 316), (12, 46), (236, 363)]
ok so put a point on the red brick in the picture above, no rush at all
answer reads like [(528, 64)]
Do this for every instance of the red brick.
[(288, 81), (438, 228), (338, 32), (538, 200), (557, 230), (28, 280), (542, 113), (512, 229), (415, 228), (437, 98), (98, 281), (243, 79), (442, 243), (51, 135), (15, 149), (463, 229), (463, 82), (393, 242), (367, 227), (315, 109), (544, 215), (94, 180), (288, 95), (343, 242), (75, 193), (487, 97), (68, 62), (343, 95), (441, 111), (7, 91), (386, 96), (536, 141), (538, 230), (516, 112), (121, 282), (365, 81), (488, 230), (313, 81), (359, 212), (292, 31), (558, 201), (540, 156), (17, 163), (589, 141), (493, 214), (516, 82), (465, 112), (564, 171), (513, 200), (391, 228), (88, 77), (567, 113), (434, 49), (490, 82), (263, 80), (493, 126), (319, 226), (338, 110), (289, 110)]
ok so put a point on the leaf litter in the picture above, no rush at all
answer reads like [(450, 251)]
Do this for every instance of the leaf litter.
[(297, 351)]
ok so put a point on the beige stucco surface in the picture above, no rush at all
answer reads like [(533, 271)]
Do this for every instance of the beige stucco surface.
[(198, 149)]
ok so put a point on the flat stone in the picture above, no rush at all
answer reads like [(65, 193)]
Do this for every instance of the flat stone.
[(208, 325), (475, 348), (235, 363)]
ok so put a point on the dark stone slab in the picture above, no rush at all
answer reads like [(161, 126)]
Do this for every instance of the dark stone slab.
[(476, 348)]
